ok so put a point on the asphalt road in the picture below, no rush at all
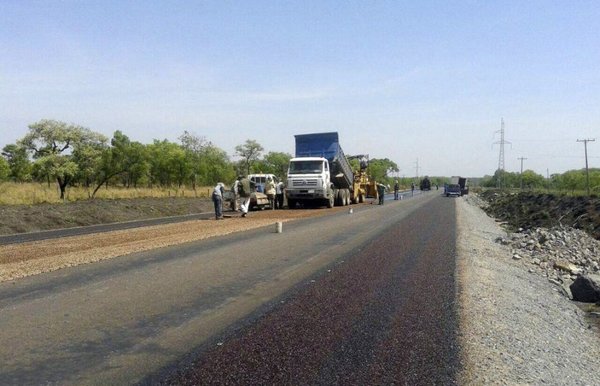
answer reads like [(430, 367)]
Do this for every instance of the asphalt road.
[(349, 298)]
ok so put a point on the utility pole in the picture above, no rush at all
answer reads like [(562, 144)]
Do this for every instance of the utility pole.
[(501, 155), (587, 172), (521, 158)]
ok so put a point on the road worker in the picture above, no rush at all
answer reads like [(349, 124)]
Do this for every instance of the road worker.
[(270, 191), (217, 197)]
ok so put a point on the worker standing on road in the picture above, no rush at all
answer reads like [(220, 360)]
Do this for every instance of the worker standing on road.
[(396, 190), (270, 191), (279, 188), (245, 189), (412, 189), (235, 204), (217, 197), (380, 192)]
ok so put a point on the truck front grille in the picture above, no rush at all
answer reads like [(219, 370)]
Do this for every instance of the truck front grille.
[(304, 183)]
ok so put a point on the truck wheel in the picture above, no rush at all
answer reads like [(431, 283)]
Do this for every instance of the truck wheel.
[(331, 201), (337, 198), (347, 197)]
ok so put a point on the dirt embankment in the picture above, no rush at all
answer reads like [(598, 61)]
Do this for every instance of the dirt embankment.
[(32, 218), (532, 210)]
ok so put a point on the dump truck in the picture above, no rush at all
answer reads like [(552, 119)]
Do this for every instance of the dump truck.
[(320, 173), (425, 184), (462, 182), (464, 188)]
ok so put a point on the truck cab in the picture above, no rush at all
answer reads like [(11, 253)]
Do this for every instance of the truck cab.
[(308, 179)]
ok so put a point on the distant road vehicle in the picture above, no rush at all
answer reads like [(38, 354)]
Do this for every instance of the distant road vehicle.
[(452, 190), (425, 184), (462, 182)]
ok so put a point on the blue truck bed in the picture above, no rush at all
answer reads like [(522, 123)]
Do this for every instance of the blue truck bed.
[(327, 145)]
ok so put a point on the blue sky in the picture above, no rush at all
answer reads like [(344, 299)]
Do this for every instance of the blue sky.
[(404, 80)]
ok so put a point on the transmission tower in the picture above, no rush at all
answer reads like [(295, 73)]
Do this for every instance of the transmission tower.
[(501, 143)]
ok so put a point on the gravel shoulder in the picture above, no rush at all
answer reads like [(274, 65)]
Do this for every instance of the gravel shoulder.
[(517, 327), (32, 258)]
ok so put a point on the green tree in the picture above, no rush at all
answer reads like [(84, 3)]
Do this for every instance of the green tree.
[(52, 142), (4, 169), (275, 163), (137, 166), (502, 179), (124, 158), (571, 180), (216, 166), (88, 159), (18, 162), (250, 152), (168, 163), (532, 180), (380, 168), (194, 147)]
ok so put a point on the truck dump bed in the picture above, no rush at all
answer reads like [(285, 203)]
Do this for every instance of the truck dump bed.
[(327, 145)]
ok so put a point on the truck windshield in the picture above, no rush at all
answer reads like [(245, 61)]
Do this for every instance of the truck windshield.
[(302, 167)]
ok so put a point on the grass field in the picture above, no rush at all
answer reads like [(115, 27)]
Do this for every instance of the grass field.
[(35, 193)]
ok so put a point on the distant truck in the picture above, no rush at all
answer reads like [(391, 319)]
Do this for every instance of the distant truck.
[(452, 190), (462, 183), (320, 173), (425, 184)]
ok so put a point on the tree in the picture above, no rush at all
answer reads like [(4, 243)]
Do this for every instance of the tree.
[(194, 146), (215, 166), (88, 159), (123, 158), (168, 163), (4, 169), (52, 143), (250, 152), (532, 180), (18, 162), (379, 169), (572, 180), (275, 163)]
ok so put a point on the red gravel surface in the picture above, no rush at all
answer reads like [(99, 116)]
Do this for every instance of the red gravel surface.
[(385, 315)]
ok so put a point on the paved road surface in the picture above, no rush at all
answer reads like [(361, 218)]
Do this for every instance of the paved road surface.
[(386, 315), (131, 319)]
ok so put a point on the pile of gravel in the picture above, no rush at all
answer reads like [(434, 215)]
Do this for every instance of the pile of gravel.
[(561, 254), (516, 325)]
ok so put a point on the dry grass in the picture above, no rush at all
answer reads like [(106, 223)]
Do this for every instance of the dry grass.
[(35, 193)]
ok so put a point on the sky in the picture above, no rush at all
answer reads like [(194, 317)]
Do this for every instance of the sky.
[(422, 83)]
